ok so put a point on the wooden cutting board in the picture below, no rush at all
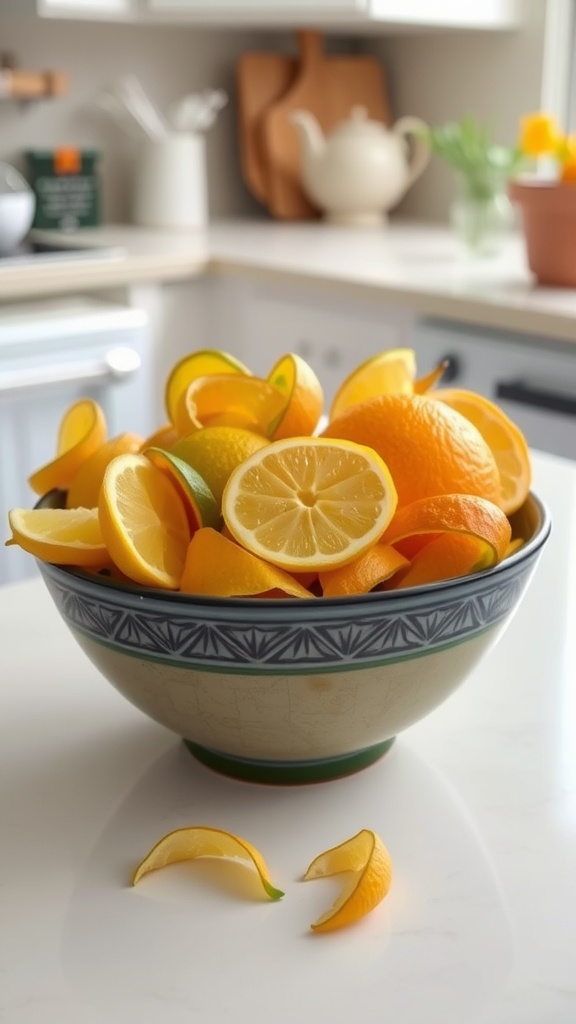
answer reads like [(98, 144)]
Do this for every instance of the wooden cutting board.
[(261, 80), (328, 86)]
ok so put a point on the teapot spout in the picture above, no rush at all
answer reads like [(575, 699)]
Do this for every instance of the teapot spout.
[(310, 132)]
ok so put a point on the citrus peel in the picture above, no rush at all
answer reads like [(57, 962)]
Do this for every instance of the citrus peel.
[(366, 857), (195, 841)]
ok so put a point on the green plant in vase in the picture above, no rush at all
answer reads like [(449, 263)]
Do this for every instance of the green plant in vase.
[(481, 211)]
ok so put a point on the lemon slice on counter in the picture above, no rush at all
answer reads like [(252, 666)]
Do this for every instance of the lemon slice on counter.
[(370, 864), (203, 841)]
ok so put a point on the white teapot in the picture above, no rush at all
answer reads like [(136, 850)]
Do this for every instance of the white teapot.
[(361, 169)]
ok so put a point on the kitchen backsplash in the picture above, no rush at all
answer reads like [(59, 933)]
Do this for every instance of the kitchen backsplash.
[(436, 77), (169, 61)]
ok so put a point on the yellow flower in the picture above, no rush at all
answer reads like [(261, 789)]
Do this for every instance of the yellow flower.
[(539, 135), (568, 159)]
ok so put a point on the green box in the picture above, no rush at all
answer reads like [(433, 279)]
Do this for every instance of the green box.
[(67, 188)]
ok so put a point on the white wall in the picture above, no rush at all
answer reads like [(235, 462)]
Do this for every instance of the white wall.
[(170, 61), (438, 76), (443, 76)]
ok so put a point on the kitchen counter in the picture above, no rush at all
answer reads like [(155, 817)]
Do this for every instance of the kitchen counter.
[(477, 805), (416, 267)]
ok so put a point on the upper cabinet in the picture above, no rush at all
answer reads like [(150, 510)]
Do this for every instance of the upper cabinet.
[(102, 9), (386, 15)]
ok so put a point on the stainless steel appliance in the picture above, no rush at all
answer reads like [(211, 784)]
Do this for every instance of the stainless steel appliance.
[(52, 353)]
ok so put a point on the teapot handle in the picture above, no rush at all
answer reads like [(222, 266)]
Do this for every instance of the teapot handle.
[(413, 126)]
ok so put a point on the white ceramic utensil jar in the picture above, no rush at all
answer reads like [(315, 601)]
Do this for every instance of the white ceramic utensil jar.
[(170, 189)]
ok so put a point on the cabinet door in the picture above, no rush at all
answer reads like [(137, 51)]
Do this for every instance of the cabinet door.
[(84, 8), (260, 322), (271, 8)]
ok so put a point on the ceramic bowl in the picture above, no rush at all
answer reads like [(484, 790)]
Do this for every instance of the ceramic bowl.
[(294, 690)]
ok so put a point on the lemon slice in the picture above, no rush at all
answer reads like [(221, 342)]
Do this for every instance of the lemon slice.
[(221, 399), (392, 371), (85, 485), (503, 437), (464, 514), (82, 430), (144, 522), (377, 564), (218, 567), (193, 365), (203, 841), (215, 451), (200, 504), (309, 502), (371, 865), (58, 535), (296, 380)]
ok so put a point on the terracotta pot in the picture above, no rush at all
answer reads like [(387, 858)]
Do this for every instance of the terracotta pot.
[(549, 220)]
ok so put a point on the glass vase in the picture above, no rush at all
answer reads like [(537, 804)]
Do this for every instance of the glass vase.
[(482, 221)]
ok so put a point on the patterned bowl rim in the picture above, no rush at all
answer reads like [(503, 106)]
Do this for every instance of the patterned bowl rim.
[(390, 598)]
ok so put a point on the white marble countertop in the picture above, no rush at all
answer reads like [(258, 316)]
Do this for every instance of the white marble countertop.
[(477, 805), (413, 266)]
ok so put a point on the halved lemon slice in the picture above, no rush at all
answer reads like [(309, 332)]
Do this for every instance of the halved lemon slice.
[(203, 841), (201, 506), (309, 502), (366, 857), (218, 567), (389, 372), (82, 430), (64, 536), (221, 399), (456, 514), (144, 522), (85, 485), (503, 437), (296, 380), (379, 563), (197, 364)]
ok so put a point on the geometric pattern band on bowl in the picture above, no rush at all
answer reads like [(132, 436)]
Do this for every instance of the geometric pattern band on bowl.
[(322, 640)]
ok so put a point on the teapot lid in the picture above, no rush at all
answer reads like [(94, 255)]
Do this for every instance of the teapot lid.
[(359, 125)]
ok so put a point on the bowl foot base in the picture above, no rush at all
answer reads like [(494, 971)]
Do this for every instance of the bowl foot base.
[(288, 772)]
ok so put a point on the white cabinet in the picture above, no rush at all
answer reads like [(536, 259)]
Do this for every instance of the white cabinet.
[(258, 322), (101, 9), (395, 14)]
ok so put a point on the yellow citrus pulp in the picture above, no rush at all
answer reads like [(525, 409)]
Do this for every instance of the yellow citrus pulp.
[(62, 536), (428, 447), (197, 364), (379, 563), (309, 503), (408, 484), (201, 507), (505, 440), (296, 380), (233, 401), (82, 430), (367, 859), (85, 485), (457, 514), (218, 567), (389, 372), (215, 451), (202, 841), (144, 522)]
